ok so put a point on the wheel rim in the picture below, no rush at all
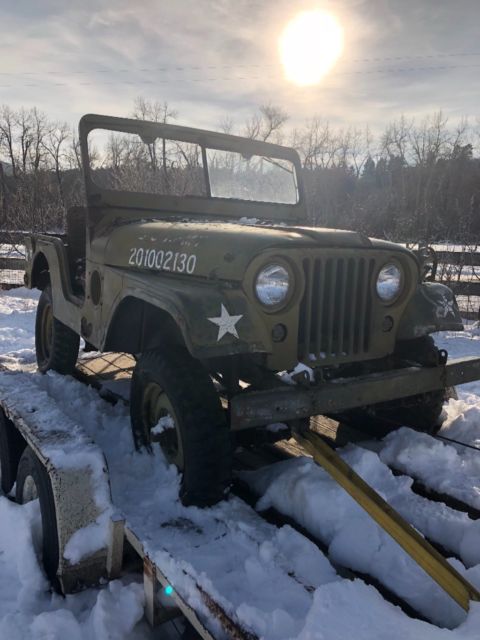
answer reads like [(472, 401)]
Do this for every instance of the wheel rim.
[(46, 332), (155, 406)]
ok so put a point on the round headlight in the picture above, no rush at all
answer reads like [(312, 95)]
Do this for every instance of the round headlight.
[(272, 285), (389, 282)]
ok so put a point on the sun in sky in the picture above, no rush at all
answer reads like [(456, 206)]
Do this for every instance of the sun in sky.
[(310, 45)]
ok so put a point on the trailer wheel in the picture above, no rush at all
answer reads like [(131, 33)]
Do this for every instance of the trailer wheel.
[(32, 483), (172, 389), (56, 345), (11, 447)]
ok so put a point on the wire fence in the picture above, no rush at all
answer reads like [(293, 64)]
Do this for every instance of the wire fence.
[(12, 259)]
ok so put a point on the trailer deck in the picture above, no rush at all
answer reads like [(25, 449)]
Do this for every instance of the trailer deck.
[(191, 558)]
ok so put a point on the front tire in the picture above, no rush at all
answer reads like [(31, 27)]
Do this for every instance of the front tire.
[(172, 389), (56, 345)]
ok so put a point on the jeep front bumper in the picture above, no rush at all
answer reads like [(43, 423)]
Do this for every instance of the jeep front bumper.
[(281, 404)]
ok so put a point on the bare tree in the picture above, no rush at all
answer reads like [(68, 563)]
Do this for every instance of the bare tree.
[(7, 136), (155, 112), (55, 143), (267, 124)]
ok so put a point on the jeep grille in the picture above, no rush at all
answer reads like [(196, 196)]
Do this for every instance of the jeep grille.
[(335, 313)]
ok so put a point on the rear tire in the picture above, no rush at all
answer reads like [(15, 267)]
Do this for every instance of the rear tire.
[(11, 447), (168, 383), (33, 482), (56, 345)]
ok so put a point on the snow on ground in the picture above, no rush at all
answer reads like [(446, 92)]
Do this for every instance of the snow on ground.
[(273, 581), (446, 467), (17, 322)]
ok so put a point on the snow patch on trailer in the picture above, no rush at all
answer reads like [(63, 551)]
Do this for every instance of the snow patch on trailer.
[(62, 445)]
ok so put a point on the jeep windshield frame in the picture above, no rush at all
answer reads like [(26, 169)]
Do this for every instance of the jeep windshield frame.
[(195, 205)]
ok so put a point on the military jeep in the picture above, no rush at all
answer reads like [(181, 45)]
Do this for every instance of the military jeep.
[(193, 253)]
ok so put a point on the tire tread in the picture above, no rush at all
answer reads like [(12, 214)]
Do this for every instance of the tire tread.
[(207, 441)]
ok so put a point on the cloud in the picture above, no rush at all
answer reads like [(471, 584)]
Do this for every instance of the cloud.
[(208, 59)]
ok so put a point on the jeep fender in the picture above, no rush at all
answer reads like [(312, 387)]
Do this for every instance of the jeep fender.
[(49, 253), (213, 320), (432, 308)]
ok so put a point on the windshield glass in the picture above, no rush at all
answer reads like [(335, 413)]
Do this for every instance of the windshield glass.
[(258, 178), (124, 162)]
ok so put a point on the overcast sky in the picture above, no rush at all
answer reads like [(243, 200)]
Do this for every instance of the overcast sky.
[(212, 58)]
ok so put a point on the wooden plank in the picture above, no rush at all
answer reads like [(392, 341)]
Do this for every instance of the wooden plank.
[(106, 366), (151, 601), (115, 546)]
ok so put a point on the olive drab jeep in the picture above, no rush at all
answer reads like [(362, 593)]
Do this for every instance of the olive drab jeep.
[(194, 254)]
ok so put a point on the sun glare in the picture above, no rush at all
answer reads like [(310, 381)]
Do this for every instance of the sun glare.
[(310, 45)]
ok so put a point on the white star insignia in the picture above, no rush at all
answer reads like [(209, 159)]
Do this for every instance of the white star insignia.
[(226, 323), (445, 308)]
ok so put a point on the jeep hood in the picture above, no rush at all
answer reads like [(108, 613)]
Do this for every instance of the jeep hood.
[(221, 249)]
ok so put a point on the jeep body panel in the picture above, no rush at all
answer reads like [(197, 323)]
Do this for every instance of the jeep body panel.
[(190, 305), (49, 253), (221, 249), (432, 308), (192, 300)]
